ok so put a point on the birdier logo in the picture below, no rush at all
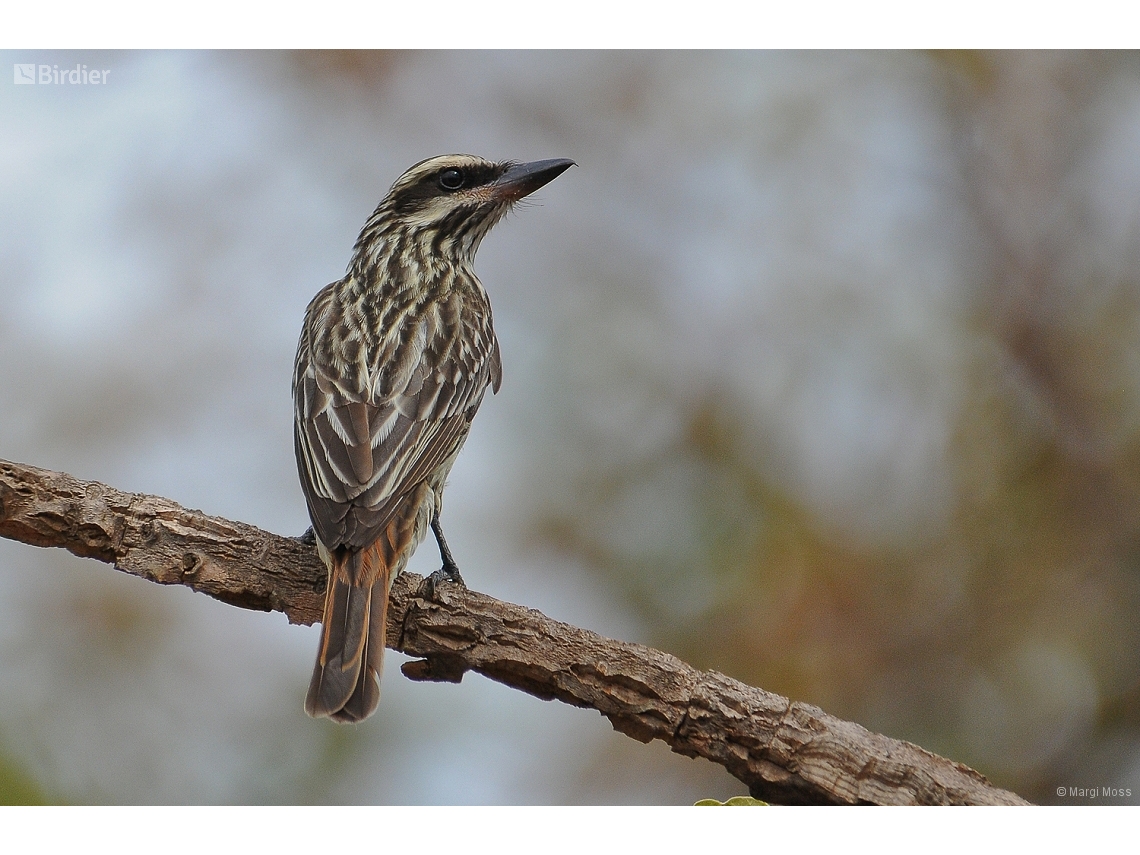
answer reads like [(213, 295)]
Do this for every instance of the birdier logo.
[(81, 75)]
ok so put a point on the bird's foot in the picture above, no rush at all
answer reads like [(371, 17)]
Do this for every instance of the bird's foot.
[(309, 537), (447, 574)]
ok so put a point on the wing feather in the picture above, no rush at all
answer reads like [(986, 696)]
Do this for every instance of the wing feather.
[(366, 435)]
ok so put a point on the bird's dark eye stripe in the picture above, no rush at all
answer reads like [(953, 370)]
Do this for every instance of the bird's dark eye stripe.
[(480, 175), (429, 187), (471, 176)]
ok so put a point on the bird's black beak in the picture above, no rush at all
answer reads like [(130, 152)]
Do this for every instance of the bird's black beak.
[(522, 179)]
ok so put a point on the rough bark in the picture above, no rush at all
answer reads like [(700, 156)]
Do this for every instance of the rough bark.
[(785, 752)]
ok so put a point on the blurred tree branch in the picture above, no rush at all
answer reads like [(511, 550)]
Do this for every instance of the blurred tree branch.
[(786, 752)]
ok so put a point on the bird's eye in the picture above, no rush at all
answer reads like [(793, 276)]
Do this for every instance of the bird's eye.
[(451, 179)]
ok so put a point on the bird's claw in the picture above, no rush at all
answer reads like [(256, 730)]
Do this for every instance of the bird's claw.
[(309, 537), (447, 574)]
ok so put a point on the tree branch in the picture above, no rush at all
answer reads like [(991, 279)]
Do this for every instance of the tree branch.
[(786, 752)]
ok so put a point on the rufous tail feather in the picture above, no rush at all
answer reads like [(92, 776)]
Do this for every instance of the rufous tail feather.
[(346, 678)]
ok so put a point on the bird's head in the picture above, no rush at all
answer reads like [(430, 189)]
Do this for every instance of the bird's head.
[(445, 205)]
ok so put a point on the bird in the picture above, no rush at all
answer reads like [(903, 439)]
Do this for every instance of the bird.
[(392, 364)]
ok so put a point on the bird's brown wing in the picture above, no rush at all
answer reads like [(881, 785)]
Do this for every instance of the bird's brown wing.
[(367, 434)]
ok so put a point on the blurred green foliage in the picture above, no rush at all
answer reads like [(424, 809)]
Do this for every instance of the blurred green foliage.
[(17, 787)]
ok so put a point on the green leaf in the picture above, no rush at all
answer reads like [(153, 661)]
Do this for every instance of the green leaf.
[(734, 801)]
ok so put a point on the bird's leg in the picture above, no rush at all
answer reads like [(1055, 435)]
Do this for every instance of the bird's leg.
[(450, 569), (449, 572)]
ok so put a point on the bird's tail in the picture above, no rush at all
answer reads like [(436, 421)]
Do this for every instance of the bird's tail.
[(346, 679)]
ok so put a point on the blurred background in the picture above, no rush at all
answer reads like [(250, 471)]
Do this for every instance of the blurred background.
[(822, 370)]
